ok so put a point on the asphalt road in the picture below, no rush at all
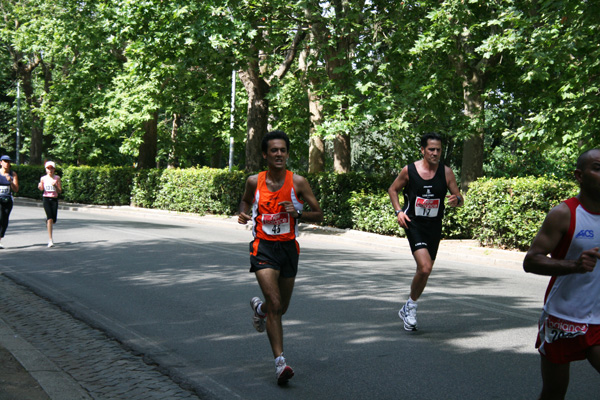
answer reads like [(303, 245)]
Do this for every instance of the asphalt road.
[(177, 290)]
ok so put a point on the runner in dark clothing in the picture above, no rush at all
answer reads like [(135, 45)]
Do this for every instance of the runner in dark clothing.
[(425, 184)]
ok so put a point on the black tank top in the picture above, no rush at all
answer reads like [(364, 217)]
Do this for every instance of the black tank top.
[(5, 190), (424, 199)]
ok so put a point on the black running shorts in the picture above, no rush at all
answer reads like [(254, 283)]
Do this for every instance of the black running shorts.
[(424, 234), (281, 256), (51, 208)]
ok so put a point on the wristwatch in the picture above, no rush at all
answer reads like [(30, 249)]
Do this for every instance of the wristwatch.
[(299, 214), (398, 212)]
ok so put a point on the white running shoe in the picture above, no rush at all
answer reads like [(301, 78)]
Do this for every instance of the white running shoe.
[(258, 321), (1, 246), (408, 313), (283, 372), (50, 243)]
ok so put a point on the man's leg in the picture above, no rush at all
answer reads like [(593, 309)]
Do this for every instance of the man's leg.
[(424, 267), (555, 379), (593, 356), (277, 292)]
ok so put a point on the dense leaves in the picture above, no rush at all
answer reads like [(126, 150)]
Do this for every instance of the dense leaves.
[(148, 83)]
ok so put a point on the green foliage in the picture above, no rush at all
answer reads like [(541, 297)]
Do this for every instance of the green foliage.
[(146, 184), (29, 177), (507, 213), (97, 185), (374, 213), (504, 213), (498, 212), (334, 192), (200, 191)]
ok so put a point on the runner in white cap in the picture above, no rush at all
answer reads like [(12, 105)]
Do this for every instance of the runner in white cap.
[(51, 185)]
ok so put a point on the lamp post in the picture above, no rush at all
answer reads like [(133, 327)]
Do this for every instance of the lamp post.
[(18, 122), (231, 119)]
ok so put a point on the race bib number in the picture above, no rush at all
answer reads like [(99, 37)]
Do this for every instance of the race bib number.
[(557, 328), (427, 207), (276, 224), (5, 190)]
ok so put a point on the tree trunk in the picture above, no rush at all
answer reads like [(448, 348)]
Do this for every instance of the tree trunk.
[(257, 117), (257, 85), (316, 145), (173, 162), (473, 146), (341, 153), (472, 73), (335, 61), (147, 151), (37, 131), (316, 150)]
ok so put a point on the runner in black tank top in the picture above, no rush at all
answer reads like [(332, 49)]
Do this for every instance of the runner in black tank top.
[(425, 184), (424, 199), (9, 184)]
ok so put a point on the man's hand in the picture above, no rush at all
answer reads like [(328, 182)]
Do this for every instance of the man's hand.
[(403, 220), (289, 208), (587, 260), (243, 218), (454, 200)]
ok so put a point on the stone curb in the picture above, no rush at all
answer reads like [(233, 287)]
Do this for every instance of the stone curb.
[(57, 384)]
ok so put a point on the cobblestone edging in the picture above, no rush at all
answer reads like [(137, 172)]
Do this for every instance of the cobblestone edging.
[(101, 366)]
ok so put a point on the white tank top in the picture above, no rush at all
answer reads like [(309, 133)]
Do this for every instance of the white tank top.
[(576, 297)]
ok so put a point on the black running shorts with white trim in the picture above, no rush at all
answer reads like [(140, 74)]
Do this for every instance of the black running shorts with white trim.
[(425, 234), (282, 256)]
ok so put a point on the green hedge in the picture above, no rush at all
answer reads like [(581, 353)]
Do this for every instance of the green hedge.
[(199, 191), (501, 212), (335, 191), (97, 185), (374, 213), (505, 213), (29, 177)]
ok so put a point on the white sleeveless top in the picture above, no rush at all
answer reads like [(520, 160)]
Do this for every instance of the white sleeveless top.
[(576, 297)]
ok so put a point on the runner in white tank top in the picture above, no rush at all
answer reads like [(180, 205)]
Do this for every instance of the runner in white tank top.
[(570, 322), (51, 185)]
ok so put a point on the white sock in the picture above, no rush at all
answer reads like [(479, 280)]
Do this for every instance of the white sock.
[(411, 301)]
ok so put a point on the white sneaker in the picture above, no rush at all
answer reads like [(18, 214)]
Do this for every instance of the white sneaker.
[(408, 313), (50, 243), (1, 246), (258, 321), (283, 372)]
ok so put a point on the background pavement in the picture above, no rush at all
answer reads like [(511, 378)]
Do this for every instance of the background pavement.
[(33, 331)]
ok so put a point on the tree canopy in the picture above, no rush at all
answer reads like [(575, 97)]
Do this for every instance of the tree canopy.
[(511, 85)]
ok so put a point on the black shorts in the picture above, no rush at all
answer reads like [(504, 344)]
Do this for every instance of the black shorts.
[(281, 256), (51, 208), (424, 235)]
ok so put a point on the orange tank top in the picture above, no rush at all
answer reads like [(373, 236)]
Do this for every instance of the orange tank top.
[(271, 221)]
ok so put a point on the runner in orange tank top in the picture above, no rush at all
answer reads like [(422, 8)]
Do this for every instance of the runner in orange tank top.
[(276, 200)]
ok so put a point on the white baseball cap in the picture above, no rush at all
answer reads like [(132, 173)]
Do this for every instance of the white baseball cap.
[(50, 164)]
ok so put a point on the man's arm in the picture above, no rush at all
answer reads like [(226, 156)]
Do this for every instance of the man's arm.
[(305, 192), (555, 226), (247, 200), (14, 182), (454, 199), (394, 191)]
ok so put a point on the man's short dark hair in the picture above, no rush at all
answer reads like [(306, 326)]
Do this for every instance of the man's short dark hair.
[(429, 136), (274, 135), (583, 159)]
